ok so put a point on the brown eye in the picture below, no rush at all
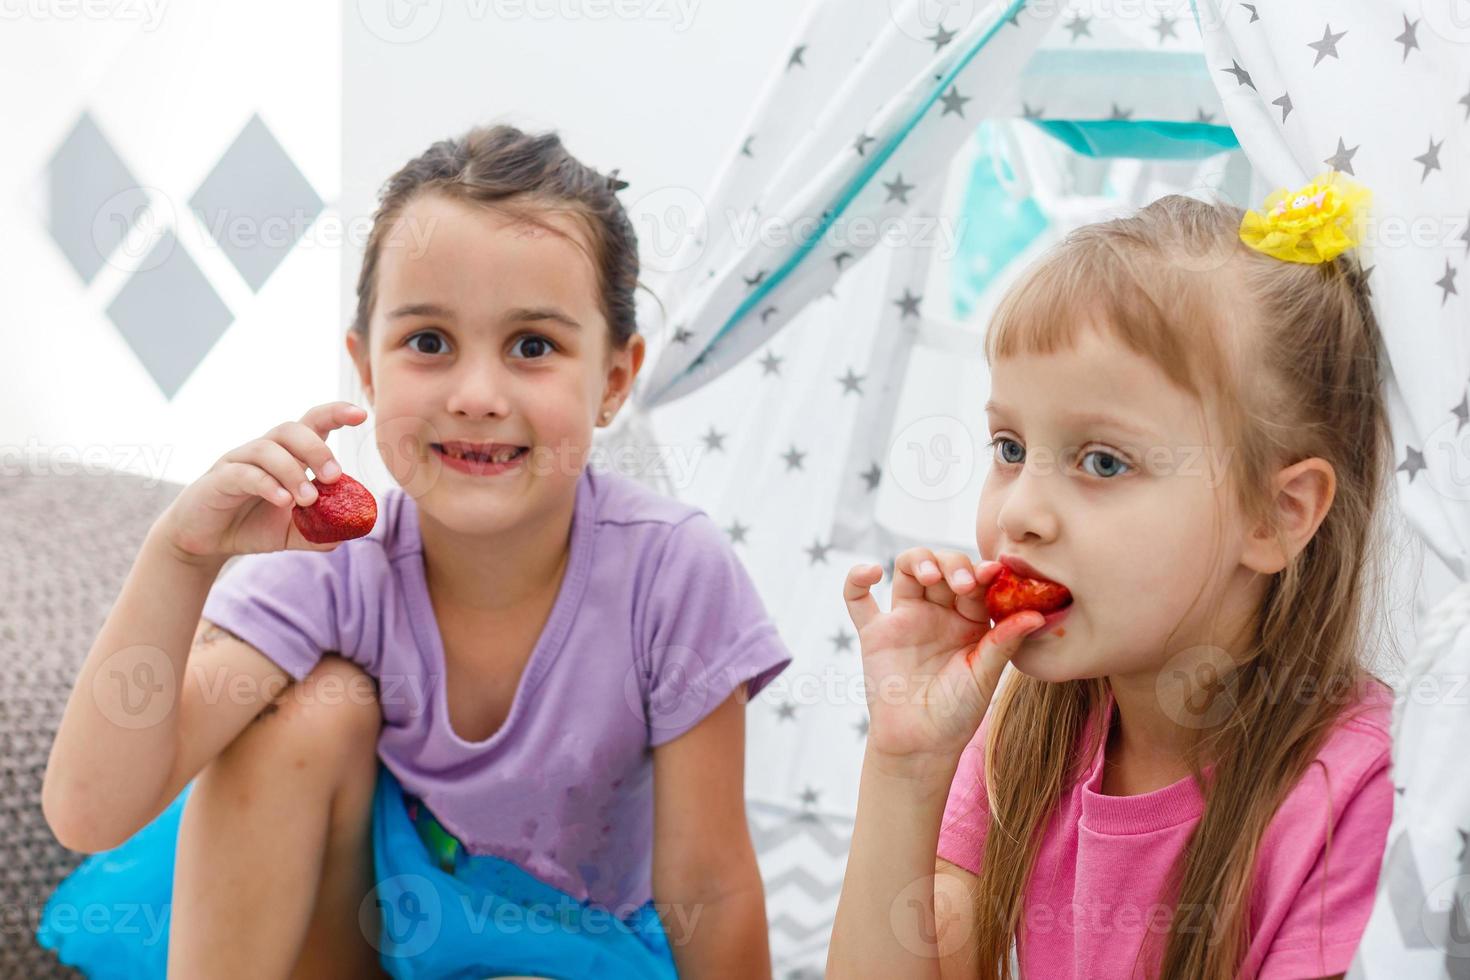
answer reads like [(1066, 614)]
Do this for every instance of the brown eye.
[(435, 347), (537, 339)]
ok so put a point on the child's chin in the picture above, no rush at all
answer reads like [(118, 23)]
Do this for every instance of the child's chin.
[(1047, 660), (473, 517)]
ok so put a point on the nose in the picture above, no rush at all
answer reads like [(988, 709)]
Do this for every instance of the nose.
[(1027, 511), (478, 389)]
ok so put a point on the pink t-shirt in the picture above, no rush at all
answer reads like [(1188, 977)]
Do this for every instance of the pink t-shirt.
[(1093, 892)]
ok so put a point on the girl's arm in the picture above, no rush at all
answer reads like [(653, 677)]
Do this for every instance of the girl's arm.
[(886, 924), (132, 729), (121, 736), (706, 884), (930, 667)]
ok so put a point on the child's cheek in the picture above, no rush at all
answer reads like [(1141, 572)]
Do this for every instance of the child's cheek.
[(1141, 595)]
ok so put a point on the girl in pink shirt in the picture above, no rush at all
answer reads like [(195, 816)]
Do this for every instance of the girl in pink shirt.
[(1186, 774)]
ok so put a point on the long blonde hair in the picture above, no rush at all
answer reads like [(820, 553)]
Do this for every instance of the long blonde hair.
[(1291, 353)]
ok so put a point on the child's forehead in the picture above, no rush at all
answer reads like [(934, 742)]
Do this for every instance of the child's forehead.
[(1093, 362), (520, 219), (1096, 376), (457, 253)]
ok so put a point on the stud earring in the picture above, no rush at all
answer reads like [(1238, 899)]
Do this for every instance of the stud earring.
[(605, 416)]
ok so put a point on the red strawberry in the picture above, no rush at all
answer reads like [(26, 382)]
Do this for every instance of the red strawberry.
[(1010, 593), (341, 511)]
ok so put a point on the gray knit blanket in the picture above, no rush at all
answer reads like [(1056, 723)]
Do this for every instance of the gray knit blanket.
[(67, 541)]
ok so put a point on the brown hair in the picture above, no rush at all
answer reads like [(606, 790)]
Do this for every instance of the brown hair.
[(526, 176), (1290, 353)]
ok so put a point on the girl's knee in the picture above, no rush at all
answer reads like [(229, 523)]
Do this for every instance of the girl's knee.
[(333, 707)]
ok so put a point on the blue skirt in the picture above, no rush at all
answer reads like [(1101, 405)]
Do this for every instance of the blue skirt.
[(443, 913)]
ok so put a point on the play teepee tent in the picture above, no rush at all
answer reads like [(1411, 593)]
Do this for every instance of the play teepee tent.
[(826, 302)]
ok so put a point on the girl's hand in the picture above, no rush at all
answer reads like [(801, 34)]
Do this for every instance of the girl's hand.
[(931, 663), (243, 504)]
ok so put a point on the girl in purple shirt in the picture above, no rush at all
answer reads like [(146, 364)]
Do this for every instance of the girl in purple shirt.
[(525, 754)]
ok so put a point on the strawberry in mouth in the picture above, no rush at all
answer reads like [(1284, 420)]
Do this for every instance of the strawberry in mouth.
[(1011, 593)]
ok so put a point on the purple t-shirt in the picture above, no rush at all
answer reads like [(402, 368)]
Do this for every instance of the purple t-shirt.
[(655, 624)]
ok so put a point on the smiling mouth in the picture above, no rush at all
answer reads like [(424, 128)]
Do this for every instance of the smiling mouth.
[(500, 456)]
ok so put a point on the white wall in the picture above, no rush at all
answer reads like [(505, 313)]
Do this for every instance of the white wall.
[(171, 85)]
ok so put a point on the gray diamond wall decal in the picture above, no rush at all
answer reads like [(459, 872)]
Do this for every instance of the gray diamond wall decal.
[(256, 203), (93, 199), (169, 314)]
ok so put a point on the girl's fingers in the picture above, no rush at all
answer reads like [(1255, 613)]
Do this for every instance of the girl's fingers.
[(985, 572), (944, 575), (861, 606), (308, 447), (277, 460), (333, 415), (914, 571), (959, 574), (995, 649), (246, 480), (971, 603)]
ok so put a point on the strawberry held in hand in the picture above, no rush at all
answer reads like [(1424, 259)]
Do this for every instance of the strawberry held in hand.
[(1011, 593), (343, 510)]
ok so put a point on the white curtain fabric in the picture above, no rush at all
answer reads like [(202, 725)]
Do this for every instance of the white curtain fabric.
[(855, 433), (1380, 89), (868, 111)]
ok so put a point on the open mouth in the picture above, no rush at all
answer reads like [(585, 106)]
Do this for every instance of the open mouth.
[(1011, 592), (503, 460), (499, 457)]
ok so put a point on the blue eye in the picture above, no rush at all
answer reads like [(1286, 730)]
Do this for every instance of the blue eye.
[(1108, 472), (537, 337), (1001, 439), (1109, 456)]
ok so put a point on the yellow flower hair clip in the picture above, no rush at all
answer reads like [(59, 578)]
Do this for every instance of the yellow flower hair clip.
[(1315, 223)]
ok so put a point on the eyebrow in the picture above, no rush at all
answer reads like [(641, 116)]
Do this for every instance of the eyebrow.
[(1086, 419), (521, 314)]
